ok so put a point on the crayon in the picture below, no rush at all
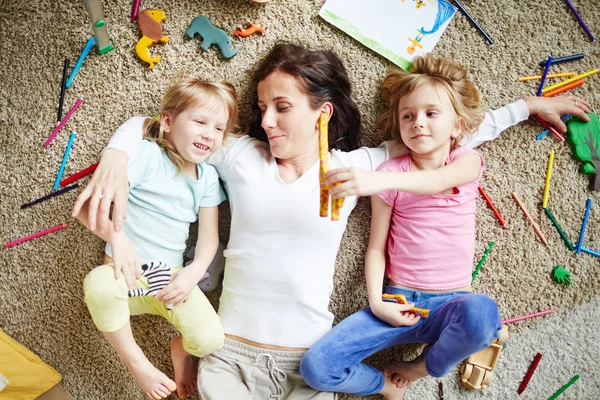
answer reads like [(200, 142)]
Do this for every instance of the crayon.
[(35, 235), (64, 161), (559, 60), (49, 196), (530, 371), (63, 87)]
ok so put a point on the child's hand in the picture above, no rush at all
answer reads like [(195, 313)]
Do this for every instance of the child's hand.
[(395, 314), (126, 259), (178, 290), (354, 182), (550, 109)]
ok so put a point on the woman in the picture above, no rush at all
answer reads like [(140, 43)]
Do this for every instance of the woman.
[(281, 254)]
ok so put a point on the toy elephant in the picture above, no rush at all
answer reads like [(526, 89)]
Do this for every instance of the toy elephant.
[(211, 35)]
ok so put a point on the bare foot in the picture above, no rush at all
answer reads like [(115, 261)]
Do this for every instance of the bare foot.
[(186, 372), (153, 382), (404, 373), (392, 392)]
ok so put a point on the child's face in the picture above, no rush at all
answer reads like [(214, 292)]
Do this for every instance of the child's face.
[(428, 121), (287, 118), (196, 132)]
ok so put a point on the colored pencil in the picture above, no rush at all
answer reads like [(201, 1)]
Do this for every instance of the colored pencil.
[(563, 88), (472, 20), (64, 161), (440, 391), (545, 132), (543, 81), (573, 79), (63, 122), (550, 128), (82, 56), (485, 254), (590, 251), (79, 175), (530, 371), (557, 75), (559, 60), (548, 177), (559, 229), (49, 196), (531, 221), (565, 387), (521, 318), (135, 8), (588, 206), (35, 235), (580, 20), (63, 87), (491, 205)]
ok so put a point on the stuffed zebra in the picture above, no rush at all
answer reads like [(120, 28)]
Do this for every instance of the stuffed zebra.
[(158, 275)]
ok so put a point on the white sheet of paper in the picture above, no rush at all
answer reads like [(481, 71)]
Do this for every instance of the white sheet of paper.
[(399, 30)]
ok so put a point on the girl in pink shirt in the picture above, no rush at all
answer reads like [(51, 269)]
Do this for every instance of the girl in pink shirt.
[(422, 238)]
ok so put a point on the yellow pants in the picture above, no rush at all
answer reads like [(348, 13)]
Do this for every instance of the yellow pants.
[(28, 376), (110, 306)]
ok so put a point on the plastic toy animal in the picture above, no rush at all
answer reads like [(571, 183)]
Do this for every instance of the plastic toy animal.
[(210, 35), (584, 138), (478, 370), (402, 300), (158, 275), (252, 29), (561, 275), (150, 22)]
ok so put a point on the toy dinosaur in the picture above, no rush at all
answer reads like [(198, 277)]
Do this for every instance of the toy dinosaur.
[(210, 35), (584, 138), (252, 29), (150, 23), (402, 300), (561, 275)]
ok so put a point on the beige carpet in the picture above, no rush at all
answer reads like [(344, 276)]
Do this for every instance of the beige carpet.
[(40, 281)]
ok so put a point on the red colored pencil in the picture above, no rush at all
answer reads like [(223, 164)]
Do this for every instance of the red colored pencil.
[(79, 175), (530, 371), (35, 235), (550, 128), (494, 210)]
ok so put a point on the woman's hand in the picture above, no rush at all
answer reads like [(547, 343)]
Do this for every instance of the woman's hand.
[(109, 183), (395, 314), (178, 290), (353, 182), (126, 259), (550, 109)]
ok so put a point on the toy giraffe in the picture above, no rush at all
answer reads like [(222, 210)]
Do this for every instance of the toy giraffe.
[(402, 300), (336, 204)]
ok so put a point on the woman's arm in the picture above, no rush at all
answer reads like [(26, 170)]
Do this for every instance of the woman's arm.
[(184, 281)]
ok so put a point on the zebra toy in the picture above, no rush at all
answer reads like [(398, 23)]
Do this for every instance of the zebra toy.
[(158, 275)]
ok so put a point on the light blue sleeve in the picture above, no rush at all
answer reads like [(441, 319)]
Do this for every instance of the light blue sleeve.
[(213, 193), (143, 163)]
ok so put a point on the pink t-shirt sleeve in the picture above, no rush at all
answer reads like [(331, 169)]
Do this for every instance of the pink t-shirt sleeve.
[(466, 150), (394, 165)]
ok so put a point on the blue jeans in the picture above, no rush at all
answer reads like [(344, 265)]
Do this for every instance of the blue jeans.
[(459, 324)]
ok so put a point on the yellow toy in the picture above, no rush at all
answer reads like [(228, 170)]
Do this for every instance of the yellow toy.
[(336, 204), (478, 370), (400, 298), (150, 23)]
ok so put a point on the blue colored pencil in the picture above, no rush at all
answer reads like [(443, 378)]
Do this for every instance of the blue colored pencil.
[(548, 64), (580, 20), (472, 20), (541, 135), (590, 251), (64, 162), (582, 232), (84, 53), (558, 60)]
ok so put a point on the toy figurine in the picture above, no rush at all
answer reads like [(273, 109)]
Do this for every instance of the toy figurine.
[(150, 23), (561, 275), (252, 29), (210, 35)]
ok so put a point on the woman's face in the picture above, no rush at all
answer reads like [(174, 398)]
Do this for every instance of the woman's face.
[(287, 118)]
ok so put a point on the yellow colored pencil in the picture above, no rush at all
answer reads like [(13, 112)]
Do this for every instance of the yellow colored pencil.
[(538, 77), (324, 165), (548, 176), (566, 81)]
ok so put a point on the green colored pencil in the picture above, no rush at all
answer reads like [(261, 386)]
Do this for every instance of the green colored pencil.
[(482, 261), (560, 231), (562, 389)]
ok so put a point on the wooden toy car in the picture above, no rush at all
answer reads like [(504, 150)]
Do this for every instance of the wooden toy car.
[(477, 371)]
